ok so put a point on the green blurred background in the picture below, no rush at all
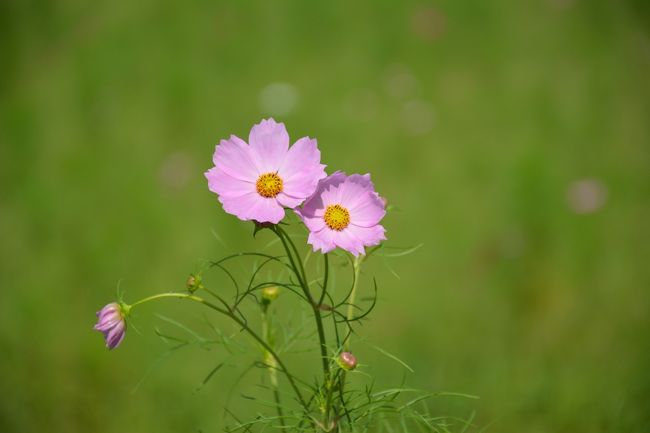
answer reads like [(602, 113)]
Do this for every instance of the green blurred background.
[(513, 137)]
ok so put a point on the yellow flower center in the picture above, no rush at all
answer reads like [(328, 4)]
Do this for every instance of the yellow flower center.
[(269, 185), (337, 217)]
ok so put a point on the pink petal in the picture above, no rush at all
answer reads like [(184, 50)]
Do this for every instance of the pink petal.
[(288, 201), (368, 235), (313, 223), (115, 336), (234, 157), (368, 210), (331, 194), (106, 325), (269, 142), (303, 152), (322, 240), (353, 189), (111, 308), (315, 205), (223, 184), (327, 239), (348, 241), (252, 206), (304, 184), (301, 169)]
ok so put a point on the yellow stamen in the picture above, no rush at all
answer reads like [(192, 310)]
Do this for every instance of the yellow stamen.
[(337, 217), (269, 185)]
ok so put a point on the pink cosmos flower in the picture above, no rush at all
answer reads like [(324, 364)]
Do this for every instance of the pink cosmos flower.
[(344, 212), (111, 323), (256, 181)]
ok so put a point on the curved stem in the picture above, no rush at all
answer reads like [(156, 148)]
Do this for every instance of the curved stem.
[(327, 269), (243, 325), (303, 283), (163, 295), (295, 251)]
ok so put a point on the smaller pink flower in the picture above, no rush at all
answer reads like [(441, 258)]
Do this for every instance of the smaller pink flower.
[(344, 212), (111, 322), (257, 180)]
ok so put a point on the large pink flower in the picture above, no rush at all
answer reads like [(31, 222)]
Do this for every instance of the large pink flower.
[(344, 212), (256, 181)]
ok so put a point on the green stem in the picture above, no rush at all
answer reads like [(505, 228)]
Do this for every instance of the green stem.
[(286, 241), (284, 238), (273, 374), (243, 325), (165, 295), (350, 314), (323, 344), (328, 400), (327, 268), (302, 278), (357, 268)]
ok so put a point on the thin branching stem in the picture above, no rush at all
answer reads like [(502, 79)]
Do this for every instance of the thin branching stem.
[(244, 327), (286, 241), (296, 264), (291, 250)]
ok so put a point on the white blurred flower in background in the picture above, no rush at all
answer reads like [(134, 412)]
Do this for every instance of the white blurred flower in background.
[(399, 82), (585, 196), (417, 117), (278, 99)]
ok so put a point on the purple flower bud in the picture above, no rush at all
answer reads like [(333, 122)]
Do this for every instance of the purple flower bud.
[(111, 323), (347, 361)]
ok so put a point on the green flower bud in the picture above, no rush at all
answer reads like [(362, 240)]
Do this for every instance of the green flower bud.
[(270, 294), (194, 283)]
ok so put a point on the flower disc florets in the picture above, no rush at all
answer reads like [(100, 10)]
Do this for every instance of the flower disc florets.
[(337, 217), (269, 185)]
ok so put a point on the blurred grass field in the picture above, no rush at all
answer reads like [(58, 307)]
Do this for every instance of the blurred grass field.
[(512, 137)]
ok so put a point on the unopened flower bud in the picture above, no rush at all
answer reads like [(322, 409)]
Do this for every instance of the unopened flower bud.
[(347, 361), (270, 294), (111, 322), (193, 283)]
